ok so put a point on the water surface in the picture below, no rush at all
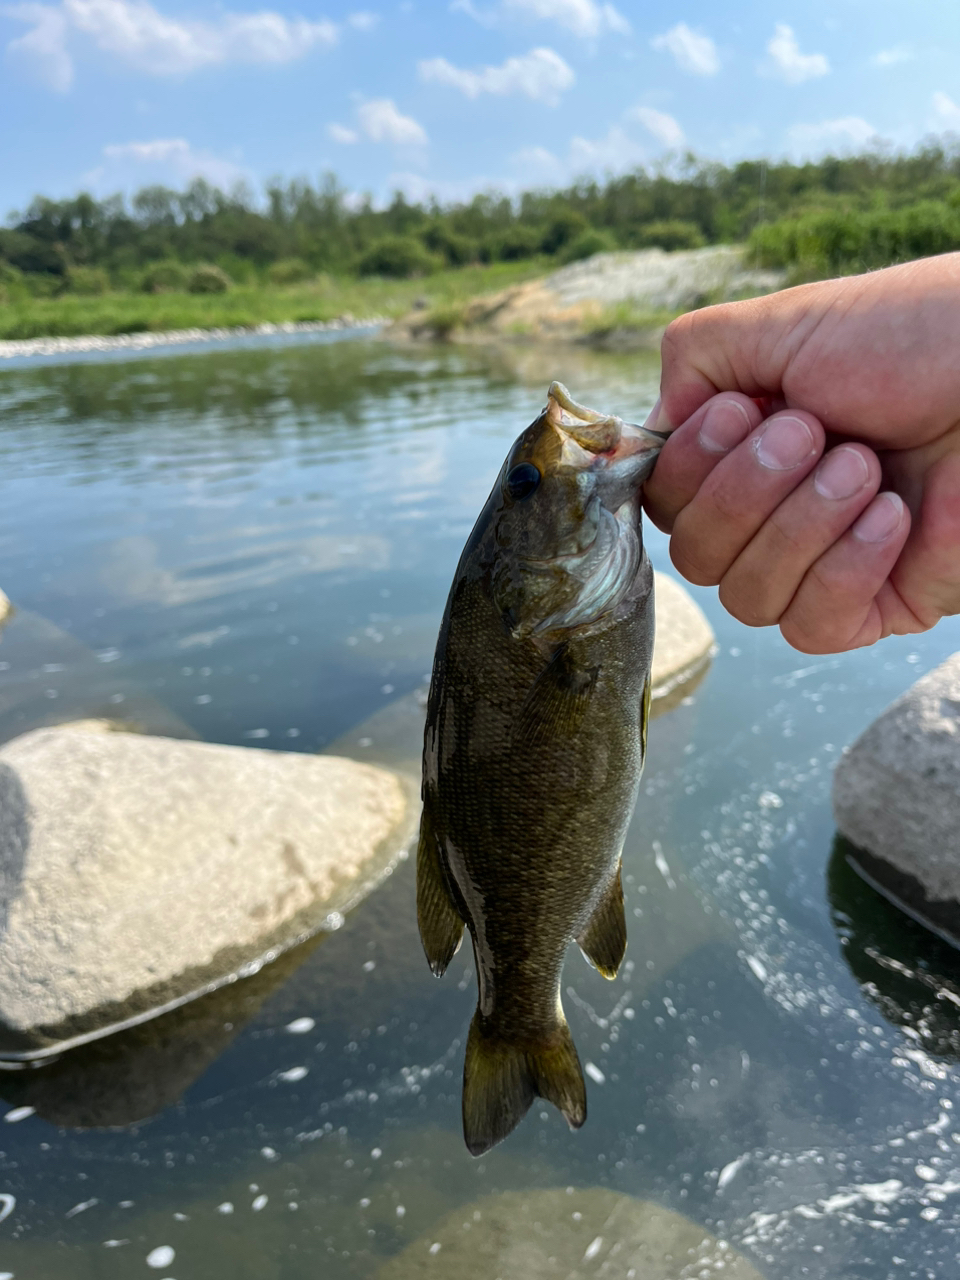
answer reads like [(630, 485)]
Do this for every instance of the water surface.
[(254, 546)]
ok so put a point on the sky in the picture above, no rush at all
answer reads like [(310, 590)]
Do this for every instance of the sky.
[(439, 98)]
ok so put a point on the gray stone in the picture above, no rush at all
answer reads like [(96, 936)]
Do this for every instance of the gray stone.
[(896, 797), (566, 1233), (683, 646), (137, 873)]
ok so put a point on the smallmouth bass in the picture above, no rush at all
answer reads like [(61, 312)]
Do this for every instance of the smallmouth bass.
[(534, 745)]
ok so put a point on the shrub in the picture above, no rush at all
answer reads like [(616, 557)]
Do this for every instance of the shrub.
[(168, 276), (456, 250), (587, 244), (562, 230), (512, 245), (845, 240), (398, 256), (208, 279), (289, 271), (89, 282), (672, 233)]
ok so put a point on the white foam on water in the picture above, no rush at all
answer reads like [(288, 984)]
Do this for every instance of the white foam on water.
[(161, 1256), (300, 1026)]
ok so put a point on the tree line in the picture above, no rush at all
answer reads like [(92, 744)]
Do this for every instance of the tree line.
[(833, 215)]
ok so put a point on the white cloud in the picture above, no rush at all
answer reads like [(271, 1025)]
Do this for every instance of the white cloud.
[(363, 21), (582, 17), (380, 121), (946, 112), (663, 127), (43, 49), (693, 51), (788, 63), (340, 133), (844, 132), (137, 33), (540, 74), (172, 158), (536, 166), (890, 57), (613, 153)]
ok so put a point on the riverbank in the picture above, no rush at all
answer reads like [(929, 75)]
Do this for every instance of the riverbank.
[(323, 300)]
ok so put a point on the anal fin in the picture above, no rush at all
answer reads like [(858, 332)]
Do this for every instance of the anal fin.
[(604, 940), (441, 925)]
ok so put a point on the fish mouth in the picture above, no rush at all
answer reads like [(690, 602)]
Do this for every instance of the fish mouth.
[(624, 453)]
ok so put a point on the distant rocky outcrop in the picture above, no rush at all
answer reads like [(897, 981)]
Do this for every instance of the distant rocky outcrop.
[(896, 798), (576, 301), (138, 872)]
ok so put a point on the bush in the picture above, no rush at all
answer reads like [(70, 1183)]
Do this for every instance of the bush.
[(208, 279), (512, 245), (670, 234), (455, 249), (168, 276), (562, 230), (289, 271), (845, 240), (397, 256), (89, 282), (587, 244)]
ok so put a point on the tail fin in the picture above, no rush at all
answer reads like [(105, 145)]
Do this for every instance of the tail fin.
[(501, 1080)]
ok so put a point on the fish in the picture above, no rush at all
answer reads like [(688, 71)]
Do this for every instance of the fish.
[(534, 744)]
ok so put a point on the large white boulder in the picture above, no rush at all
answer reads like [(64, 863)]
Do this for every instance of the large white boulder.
[(567, 1233), (139, 872), (896, 797)]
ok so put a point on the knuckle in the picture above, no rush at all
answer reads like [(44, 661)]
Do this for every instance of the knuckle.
[(744, 598)]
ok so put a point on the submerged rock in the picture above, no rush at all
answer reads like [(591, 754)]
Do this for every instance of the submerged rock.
[(896, 797), (567, 1233), (6, 608), (137, 873), (683, 646)]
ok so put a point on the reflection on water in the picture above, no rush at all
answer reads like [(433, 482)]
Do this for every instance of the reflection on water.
[(256, 547), (911, 975)]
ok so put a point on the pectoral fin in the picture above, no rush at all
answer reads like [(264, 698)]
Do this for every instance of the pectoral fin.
[(441, 926), (557, 702), (604, 940)]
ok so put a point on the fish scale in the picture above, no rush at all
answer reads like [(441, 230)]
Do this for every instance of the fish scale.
[(534, 747)]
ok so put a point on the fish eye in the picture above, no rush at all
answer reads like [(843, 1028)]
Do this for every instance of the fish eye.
[(521, 481)]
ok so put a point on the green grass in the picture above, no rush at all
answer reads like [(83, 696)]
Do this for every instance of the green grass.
[(323, 299), (626, 317)]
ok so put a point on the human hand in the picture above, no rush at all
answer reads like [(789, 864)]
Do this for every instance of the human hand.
[(833, 510)]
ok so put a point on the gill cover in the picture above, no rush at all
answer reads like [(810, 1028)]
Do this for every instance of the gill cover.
[(568, 527)]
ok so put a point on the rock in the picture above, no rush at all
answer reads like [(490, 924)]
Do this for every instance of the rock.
[(566, 302), (683, 646), (896, 797), (567, 1233), (137, 873), (6, 608)]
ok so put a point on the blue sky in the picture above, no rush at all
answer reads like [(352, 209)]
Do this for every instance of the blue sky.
[(432, 96)]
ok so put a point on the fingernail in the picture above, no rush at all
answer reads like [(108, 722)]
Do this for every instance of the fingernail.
[(842, 473), (881, 519), (652, 417), (725, 425), (784, 444)]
